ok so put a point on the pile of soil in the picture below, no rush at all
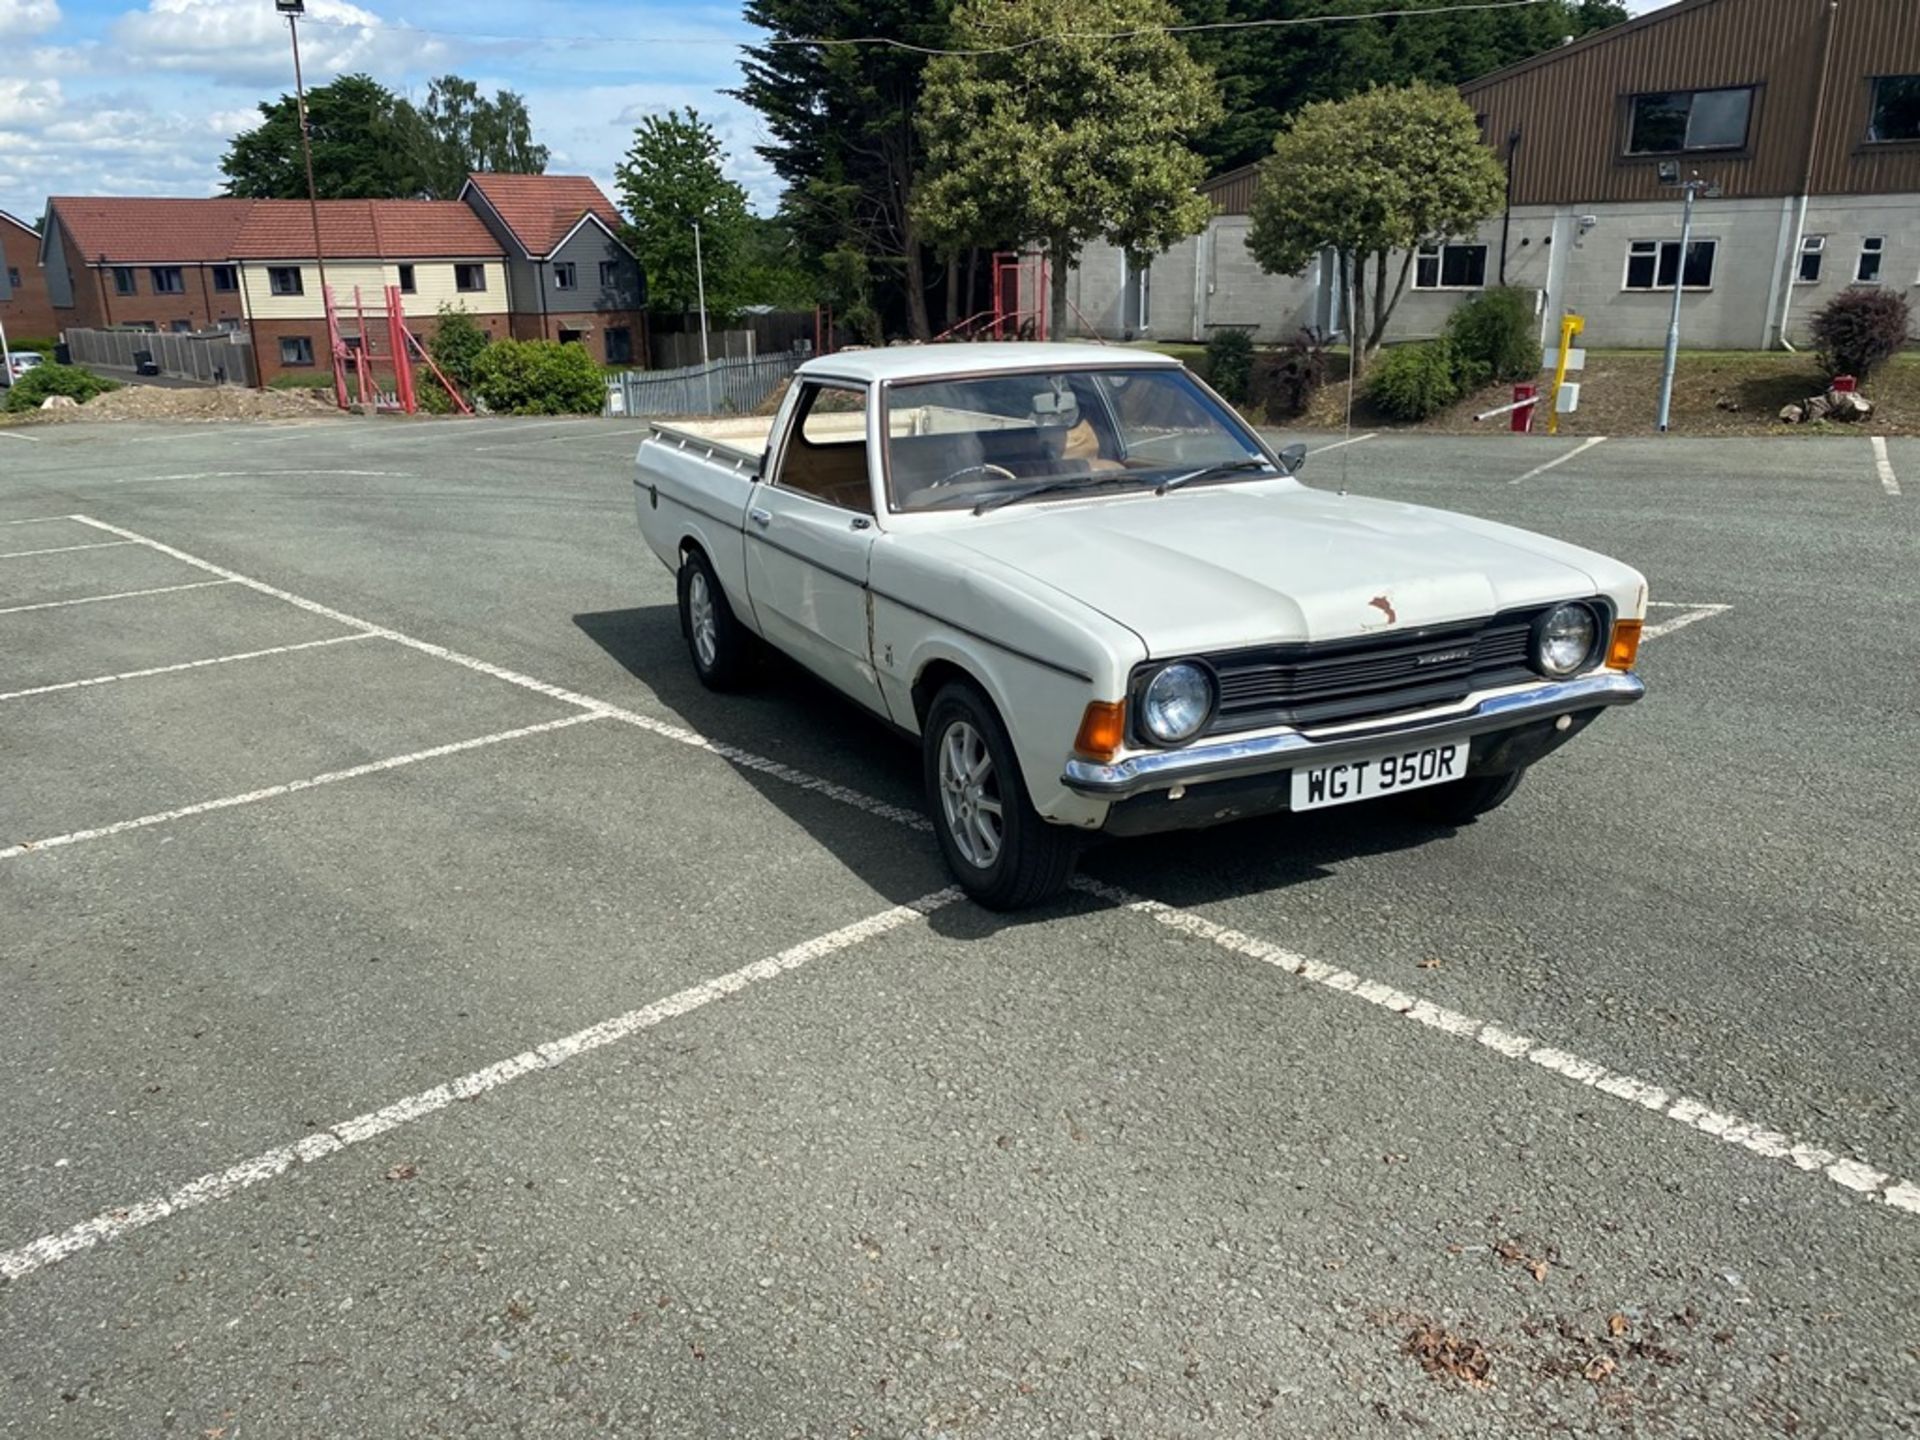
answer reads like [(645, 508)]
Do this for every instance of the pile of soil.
[(152, 402)]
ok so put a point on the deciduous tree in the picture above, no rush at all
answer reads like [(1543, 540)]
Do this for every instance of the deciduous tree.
[(1052, 130), (1363, 177), (672, 179)]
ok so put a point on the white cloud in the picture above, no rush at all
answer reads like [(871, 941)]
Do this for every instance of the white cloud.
[(246, 43), (28, 17), (28, 102)]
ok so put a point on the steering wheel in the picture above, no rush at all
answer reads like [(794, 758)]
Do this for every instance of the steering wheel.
[(992, 472)]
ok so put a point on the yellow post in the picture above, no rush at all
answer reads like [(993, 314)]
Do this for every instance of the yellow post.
[(1570, 326)]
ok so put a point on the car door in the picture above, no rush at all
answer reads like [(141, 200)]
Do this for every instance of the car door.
[(810, 536)]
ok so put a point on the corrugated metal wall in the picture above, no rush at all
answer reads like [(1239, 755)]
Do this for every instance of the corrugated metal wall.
[(1572, 107)]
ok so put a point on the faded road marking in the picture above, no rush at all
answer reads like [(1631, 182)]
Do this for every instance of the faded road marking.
[(117, 595), (1883, 466), (183, 665), (1580, 449)]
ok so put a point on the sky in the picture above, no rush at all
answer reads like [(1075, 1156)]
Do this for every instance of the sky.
[(139, 97)]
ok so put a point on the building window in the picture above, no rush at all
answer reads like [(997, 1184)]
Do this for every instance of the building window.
[(226, 279), (123, 280), (167, 280), (619, 346), (609, 274), (1872, 251), (1651, 264), (469, 278), (145, 327), (13, 276), (296, 350), (286, 280), (181, 327), (1450, 267), (566, 276), (1677, 120), (406, 280), (1813, 249), (1896, 108)]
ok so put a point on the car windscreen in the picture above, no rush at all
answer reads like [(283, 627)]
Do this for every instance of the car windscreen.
[(965, 443)]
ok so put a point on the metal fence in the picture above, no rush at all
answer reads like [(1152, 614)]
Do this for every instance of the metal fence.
[(214, 357), (724, 387)]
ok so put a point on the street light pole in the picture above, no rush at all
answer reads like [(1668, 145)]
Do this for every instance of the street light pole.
[(293, 10), (1669, 175), (700, 286)]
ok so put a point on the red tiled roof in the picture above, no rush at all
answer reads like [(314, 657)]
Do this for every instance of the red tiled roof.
[(127, 230), (541, 209), (363, 230)]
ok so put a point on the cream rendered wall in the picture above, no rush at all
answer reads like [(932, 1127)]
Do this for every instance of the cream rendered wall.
[(433, 286)]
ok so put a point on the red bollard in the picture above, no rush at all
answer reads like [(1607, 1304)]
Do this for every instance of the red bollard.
[(1845, 384), (1522, 421)]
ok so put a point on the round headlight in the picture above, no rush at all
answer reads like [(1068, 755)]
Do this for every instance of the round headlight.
[(1563, 643), (1177, 703)]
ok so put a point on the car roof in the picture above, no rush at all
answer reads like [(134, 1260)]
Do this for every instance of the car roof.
[(924, 362)]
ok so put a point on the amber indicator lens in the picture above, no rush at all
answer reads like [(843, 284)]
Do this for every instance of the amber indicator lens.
[(1625, 646), (1103, 730)]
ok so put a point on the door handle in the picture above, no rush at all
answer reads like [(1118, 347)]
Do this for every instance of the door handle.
[(762, 518)]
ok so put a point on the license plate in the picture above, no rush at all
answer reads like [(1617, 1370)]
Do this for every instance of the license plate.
[(1352, 780)]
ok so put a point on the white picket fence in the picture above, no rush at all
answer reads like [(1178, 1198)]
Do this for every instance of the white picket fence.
[(734, 386)]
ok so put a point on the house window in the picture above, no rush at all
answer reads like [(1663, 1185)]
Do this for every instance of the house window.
[(13, 276), (1677, 120), (167, 280), (566, 275), (469, 278), (296, 350), (226, 279), (181, 327), (1872, 251), (572, 337), (1896, 108), (609, 274), (1651, 264), (145, 327), (619, 346), (1813, 249), (123, 280), (286, 280), (1450, 267), (406, 280)]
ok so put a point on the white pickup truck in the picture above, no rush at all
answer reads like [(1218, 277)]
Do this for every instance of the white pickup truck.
[(1104, 606)]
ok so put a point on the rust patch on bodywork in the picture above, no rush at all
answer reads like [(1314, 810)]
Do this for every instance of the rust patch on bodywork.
[(1384, 606)]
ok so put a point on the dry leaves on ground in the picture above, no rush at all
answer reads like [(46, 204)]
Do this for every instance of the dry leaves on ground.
[(1458, 1357)]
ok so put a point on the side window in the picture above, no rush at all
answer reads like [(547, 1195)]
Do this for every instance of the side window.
[(826, 455)]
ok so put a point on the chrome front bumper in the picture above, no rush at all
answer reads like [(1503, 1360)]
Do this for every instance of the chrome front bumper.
[(1229, 759)]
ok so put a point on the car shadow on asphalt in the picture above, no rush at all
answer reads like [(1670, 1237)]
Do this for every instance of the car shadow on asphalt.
[(786, 714)]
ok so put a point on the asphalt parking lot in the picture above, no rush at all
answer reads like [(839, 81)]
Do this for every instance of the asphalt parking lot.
[(424, 1010)]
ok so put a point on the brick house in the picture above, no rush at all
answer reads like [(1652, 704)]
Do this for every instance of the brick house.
[(1806, 115), (144, 263), (570, 276), (25, 310)]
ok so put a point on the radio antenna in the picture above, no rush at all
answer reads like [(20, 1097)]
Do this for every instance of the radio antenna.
[(1353, 364)]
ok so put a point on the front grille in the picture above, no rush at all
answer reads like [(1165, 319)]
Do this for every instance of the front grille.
[(1324, 684)]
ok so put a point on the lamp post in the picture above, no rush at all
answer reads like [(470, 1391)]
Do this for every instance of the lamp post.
[(293, 10), (700, 288), (1670, 175)]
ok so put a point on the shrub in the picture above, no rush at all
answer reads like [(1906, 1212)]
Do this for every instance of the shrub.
[(1859, 329), (539, 377), (44, 380), (457, 344), (1496, 336), (1299, 369), (1230, 364), (1413, 382), (429, 393)]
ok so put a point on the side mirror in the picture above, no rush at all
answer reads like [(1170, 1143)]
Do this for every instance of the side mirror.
[(1293, 457)]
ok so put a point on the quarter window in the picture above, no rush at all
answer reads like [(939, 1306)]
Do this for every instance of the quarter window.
[(566, 276), (123, 280), (296, 350), (1676, 120), (1896, 108), (1872, 251), (1652, 264), (469, 278), (1450, 267), (1813, 249), (285, 280)]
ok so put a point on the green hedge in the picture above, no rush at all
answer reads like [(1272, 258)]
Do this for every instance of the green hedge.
[(45, 380), (539, 377), (1496, 336), (1415, 382)]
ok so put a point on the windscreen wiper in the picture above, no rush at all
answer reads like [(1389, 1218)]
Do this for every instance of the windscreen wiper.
[(1051, 487), (1229, 468)]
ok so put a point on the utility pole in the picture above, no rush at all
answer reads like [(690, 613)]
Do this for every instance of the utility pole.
[(700, 286), (1670, 175), (293, 10)]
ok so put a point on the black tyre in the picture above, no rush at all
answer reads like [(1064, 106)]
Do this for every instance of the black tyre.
[(999, 849), (1461, 802), (720, 646)]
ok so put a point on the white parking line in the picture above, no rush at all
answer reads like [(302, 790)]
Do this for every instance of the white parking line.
[(16, 435), (1771, 1144), (184, 665), (36, 520), (271, 792), (1354, 440), (1580, 449), (224, 1184), (63, 549), (118, 595), (265, 475), (1883, 466), (1693, 613)]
